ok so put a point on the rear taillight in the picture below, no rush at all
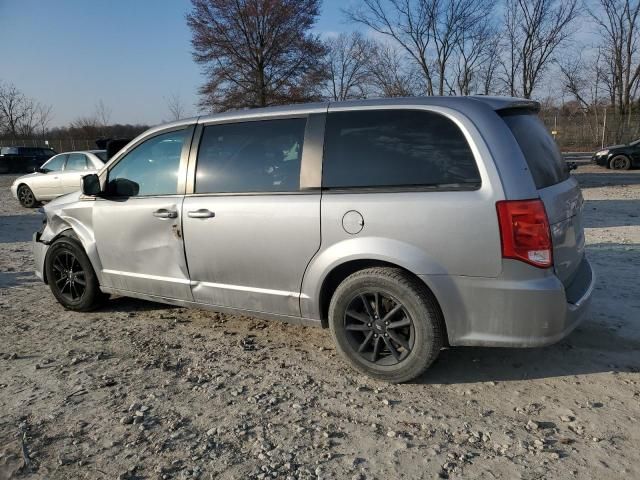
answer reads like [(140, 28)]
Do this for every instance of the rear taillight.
[(525, 233)]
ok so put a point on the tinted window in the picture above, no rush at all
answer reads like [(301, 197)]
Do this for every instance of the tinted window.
[(539, 148), (76, 161), (102, 155), (8, 151), (396, 148), (56, 163), (151, 168), (261, 156)]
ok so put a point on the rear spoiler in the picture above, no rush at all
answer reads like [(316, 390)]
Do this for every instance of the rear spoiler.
[(519, 105)]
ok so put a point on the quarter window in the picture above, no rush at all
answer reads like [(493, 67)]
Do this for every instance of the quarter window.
[(151, 168), (391, 148), (260, 156), (76, 161)]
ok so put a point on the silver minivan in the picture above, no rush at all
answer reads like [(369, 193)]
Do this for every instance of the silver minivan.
[(403, 225)]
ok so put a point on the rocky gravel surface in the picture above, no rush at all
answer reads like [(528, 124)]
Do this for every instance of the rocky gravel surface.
[(139, 390)]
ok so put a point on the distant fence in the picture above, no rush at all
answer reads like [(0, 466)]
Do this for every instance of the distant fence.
[(580, 132), (58, 144)]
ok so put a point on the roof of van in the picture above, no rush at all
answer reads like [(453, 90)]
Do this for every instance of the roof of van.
[(495, 103)]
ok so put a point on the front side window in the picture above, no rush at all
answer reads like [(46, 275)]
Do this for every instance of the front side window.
[(55, 164), (76, 161), (260, 156), (151, 168), (396, 148)]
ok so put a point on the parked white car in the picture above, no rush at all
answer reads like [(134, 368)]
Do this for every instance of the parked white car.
[(59, 175)]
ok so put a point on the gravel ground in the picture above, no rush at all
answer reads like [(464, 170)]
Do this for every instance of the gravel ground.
[(142, 390)]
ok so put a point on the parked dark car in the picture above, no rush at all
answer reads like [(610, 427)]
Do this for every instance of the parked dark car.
[(23, 159), (619, 157)]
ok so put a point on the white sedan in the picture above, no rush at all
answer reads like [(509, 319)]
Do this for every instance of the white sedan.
[(59, 175)]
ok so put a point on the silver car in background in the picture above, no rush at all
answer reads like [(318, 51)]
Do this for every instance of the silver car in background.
[(59, 175), (403, 225)]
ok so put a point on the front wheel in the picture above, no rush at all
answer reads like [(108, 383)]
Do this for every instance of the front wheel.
[(26, 197), (386, 323), (71, 277), (620, 162)]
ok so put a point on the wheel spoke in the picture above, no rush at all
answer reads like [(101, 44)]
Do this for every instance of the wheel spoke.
[(61, 279), (80, 281), (365, 342), (392, 312), (396, 337), (405, 322), (358, 328), (367, 306), (377, 343), (66, 283), (376, 304), (358, 316), (391, 348)]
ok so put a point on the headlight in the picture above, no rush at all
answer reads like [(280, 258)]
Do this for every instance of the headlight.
[(602, 152)]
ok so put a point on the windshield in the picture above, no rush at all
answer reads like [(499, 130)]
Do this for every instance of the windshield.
[(635, 142)]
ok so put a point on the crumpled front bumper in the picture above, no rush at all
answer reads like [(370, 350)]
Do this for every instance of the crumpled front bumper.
[(39, 255)]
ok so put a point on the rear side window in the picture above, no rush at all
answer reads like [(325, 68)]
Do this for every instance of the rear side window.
[(538, 147), (76, 161), (260, 156), (390, 148)]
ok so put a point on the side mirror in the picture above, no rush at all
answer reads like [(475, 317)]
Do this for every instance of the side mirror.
[(90, 185)]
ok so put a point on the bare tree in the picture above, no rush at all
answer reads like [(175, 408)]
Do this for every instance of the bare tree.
[(391, 75), (408, 22), (348, 60), (102, 114), (476, 59), (15, 109), (44, 115), (256, 52), (429, 31), (535, 29), (176, 106), (618, 22)]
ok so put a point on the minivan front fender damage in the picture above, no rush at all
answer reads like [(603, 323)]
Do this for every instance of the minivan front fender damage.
[(378, 249), (70, 218)]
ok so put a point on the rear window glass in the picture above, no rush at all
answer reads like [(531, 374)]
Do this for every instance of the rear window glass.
[(396, 148), (539, 149)]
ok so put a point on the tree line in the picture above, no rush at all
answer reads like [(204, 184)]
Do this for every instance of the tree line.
[(257, 53)]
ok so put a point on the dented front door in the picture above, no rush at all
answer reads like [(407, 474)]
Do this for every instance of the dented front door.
[(139, 242)]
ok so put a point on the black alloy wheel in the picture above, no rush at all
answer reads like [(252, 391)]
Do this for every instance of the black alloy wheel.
[(68, 275), (379, 328)]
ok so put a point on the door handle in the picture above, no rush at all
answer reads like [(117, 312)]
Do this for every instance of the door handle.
[(201, 213), (164, 213)]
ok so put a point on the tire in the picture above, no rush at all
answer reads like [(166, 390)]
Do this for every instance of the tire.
[(620, 162), (26, 197), (67, 267), (392, 290)]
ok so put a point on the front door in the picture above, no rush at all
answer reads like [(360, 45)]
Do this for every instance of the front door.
[(249, 229), (137, 222)]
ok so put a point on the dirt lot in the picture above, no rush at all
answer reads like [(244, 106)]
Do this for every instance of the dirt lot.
[(141, 390)]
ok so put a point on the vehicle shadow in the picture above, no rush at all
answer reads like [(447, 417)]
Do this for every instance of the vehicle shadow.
[(19, 228), (128, 305)]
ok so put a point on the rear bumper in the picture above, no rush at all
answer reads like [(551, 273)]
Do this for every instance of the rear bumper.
[(518, 312), (39, 254)]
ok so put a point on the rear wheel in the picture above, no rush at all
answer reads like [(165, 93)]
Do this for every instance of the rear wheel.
[(71, 277), (620, 162), (26, 197), (386, 324)]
